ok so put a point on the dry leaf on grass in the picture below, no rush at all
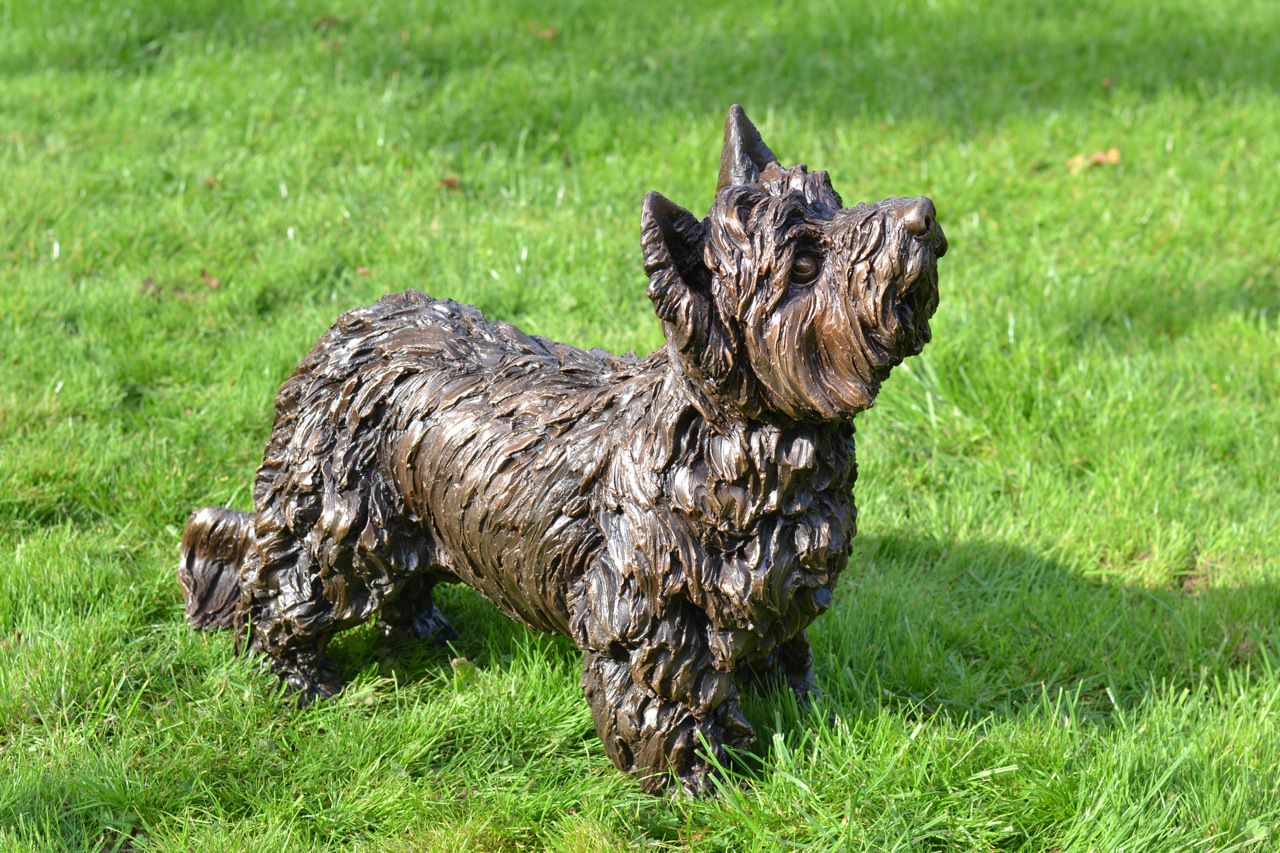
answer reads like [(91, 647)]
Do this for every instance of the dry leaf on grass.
[(1080, 162), (544, 33)]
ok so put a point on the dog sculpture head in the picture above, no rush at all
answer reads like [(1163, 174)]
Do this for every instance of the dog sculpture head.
[(782, 301)]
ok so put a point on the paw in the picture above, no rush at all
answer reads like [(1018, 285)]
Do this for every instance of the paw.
[(430, 625), (315, 680), (804, 689)]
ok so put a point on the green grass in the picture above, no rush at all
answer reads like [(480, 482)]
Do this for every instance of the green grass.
[(1060, 628)]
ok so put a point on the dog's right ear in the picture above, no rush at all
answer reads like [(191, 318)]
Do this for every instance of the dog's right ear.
[(679, 283), (744, 155)]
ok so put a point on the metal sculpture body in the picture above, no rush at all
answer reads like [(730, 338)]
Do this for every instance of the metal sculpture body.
[(681, 517)]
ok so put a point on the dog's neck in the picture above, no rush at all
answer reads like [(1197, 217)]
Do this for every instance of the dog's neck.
[(760, 448), (742, 411)]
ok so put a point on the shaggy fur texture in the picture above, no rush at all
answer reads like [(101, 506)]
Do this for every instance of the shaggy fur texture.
[(681, 517)]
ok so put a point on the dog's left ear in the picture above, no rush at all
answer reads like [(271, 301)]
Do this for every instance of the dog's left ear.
[(679, 283)]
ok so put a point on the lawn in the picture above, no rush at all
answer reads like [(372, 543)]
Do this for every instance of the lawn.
[(1060, 627)]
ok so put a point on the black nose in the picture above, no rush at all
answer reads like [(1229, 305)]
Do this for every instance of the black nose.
[(919, 217), (921, 220)]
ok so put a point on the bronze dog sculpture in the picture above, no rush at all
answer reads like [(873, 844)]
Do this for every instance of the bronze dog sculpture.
[(682, 517)]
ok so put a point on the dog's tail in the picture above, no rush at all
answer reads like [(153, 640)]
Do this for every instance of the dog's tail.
[(214, 546)]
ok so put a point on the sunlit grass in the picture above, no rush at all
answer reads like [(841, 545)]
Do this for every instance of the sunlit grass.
[(1061, 624)]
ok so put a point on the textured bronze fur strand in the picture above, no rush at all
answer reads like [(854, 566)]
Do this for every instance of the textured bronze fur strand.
[(682, 517)]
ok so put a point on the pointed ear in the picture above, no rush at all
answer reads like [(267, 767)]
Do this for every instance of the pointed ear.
[(744, 155), (678, 279)]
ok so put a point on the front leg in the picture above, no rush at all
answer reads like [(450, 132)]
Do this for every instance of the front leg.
[(791, 662), (653, 687), (795, 663), (656, 691), (651, 736)]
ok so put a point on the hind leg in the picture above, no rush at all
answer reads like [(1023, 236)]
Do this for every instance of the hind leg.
[(412, 616)]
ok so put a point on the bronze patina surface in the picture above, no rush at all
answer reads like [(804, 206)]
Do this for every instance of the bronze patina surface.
[(681, 517)]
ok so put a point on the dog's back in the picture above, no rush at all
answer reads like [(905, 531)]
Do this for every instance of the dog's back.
[(419, 437)]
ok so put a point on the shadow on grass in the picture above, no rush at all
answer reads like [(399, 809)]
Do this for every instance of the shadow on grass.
[(487, 639), (953, 635), (966, 630), (973, 631), (955, 65), (1128, 317)]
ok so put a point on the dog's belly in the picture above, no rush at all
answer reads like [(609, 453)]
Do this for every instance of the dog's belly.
[(507, 508)]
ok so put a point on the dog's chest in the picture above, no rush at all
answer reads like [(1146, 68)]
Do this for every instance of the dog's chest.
[(773, 515), (730, 483)]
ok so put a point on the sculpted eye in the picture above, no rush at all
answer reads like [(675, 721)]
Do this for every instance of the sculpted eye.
[(805, 267)]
